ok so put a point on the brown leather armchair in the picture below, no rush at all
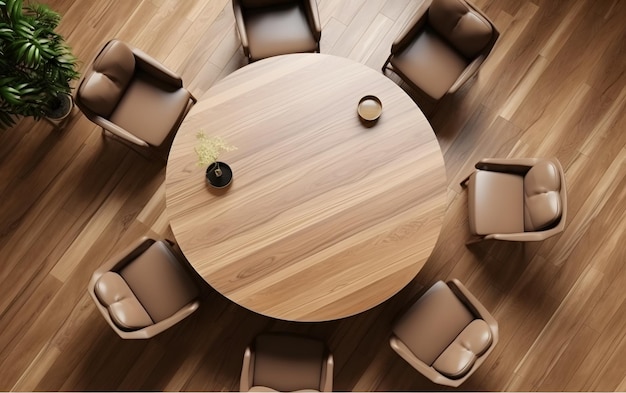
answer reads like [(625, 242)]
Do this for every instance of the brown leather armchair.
[(446, 335), (443, 47), (144, 290), (285, 362), (133, 96), (277, 27), (520, 199)]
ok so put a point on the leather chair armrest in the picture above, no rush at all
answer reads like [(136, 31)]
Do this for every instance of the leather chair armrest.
[(108, 125), (241, 27), (153, 330), (156, 69), (411, 28), (313, 16), (509, 165), (118, 131), (468, 73), (247, 371), (326, 378), (526, 236)]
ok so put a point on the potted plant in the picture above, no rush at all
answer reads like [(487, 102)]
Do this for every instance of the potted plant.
[(36, 65), (218, 174)]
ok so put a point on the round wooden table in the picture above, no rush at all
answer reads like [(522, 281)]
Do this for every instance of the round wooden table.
[(327, 216)]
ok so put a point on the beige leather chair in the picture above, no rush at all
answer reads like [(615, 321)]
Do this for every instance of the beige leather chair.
[(446, 335), (285, 362), (522, 199), (277, 27), (133, 96), (443, 47), (144, 290)]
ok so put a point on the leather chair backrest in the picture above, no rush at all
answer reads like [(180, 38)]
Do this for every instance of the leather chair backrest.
[(264, 3), (110, 74), (461, 355), (465, 29), (542, 197), (124, 308)]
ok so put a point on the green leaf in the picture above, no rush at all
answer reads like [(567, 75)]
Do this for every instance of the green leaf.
[(10, 95), (23, 47), (25, 29), (14, 8)]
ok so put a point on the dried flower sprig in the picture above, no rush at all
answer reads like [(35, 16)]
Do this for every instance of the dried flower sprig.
[(210, 148)]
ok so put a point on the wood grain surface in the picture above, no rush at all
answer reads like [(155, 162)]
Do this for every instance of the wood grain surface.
[(554, 85), (327, 215)]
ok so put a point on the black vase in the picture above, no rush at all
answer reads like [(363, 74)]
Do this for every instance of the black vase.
[(225, 175)]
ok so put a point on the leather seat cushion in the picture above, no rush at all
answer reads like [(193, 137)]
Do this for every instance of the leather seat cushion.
[(542, 197), (458, 359), (124, 308), (288, 363), (159, 282), (430, 64), (278, 30), (433, 322), (495, 203), (111, 72), (150, 109), (466, 30)]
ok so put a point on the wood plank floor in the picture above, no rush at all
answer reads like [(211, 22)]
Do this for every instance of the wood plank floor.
[(555, 85)]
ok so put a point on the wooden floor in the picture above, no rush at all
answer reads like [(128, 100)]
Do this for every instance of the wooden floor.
[(555, 85)]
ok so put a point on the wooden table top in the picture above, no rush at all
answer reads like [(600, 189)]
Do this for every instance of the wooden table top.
[(327, 216)]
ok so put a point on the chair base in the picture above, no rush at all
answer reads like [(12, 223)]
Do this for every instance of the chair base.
[(474, 239), (463, 182), (385, 66), (149, 153)]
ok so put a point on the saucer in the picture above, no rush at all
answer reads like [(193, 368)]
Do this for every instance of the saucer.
[(370, 108)]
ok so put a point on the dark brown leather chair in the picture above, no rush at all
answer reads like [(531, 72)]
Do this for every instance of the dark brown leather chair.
[(443, 47), (285, 362), (446, 335), (521, 199), (144, 290), (133, 96), (277, 27)]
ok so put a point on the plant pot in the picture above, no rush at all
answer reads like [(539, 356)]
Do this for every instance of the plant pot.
[(219, 175), (61, 107)]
